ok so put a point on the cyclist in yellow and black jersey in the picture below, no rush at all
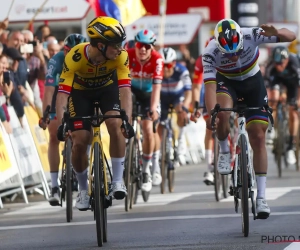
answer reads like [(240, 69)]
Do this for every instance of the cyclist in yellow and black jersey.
[(96, 71)]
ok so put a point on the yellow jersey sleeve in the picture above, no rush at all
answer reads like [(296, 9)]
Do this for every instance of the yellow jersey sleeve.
[(71, 65), (123, 72)]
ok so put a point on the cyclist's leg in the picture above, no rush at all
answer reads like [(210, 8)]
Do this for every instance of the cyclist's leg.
[(110, 105), (80, 105), (53, 153), (226, 95), (257, 124), (292, 92)]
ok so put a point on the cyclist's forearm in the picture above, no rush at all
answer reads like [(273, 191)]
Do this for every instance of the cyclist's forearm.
[(210, 96), (187, 98), (196, 93), (61, 105), (286, 35), (126, 101), (155, 96), (47, 100)]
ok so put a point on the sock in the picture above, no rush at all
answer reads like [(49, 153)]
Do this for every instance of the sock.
[(155, 162), (181, 133), (88, 150), (224, 148), (146, 163), (54, 177), (82, 180), (208, 155), (261, 181), (117, 165)]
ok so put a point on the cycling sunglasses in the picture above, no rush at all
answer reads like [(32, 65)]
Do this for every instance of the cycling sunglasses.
[(233, 54), (168, 65), (142, 45)]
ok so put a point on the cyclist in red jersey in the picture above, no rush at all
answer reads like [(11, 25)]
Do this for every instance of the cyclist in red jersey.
[(146, 68)]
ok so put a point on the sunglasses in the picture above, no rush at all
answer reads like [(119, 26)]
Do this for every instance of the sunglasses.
[(168, 65), (233, 54), (142, 45)]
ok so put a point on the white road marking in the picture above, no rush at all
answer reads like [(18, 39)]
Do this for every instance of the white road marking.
[(271, 193), (293, 246), (180, 217)]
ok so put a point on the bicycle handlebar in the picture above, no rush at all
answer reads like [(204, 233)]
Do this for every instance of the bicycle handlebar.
[(240, 109), (46, 113)]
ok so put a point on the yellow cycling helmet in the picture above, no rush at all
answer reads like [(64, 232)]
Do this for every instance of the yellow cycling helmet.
[(106, 29)]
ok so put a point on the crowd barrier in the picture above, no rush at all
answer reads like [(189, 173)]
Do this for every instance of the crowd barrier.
[(23, 153)]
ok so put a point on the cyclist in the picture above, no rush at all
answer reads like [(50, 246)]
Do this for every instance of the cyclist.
[(175, 91), (55, 67), (146, 66), (231, 72), (284, 69), (96, 71), (129, 44)]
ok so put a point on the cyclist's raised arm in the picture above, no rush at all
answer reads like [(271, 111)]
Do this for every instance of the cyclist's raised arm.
[(124, 82), (72, 63)]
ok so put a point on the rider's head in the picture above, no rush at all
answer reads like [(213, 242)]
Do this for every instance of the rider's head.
[(280, 57), (72, 40), (144, 42), (229, 39), (129, 44), (169, 57), (107, 35)]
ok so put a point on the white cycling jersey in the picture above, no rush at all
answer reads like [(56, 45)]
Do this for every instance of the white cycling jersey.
[(214, 61)]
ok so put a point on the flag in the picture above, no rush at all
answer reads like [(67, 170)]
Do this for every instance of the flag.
[(125, 11)]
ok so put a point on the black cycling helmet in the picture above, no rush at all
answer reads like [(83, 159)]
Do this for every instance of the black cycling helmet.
[(74, 39), (279, 54)]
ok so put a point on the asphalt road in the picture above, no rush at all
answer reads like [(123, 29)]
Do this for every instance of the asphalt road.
[(189, 218)]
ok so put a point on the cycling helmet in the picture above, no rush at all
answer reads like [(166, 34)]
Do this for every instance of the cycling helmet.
[(74, 39), (168, 55), (280, 53), (228, 36), (129, 44), (106, 29), (146, 36)]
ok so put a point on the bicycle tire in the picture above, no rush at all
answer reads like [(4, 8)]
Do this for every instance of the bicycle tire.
[(297, 150), (244, 181), (163, 163), (135, 178), (171, 180), (99, 206), (225, 185), (69, 182), (128, 171), (217, 176), (280, 141)]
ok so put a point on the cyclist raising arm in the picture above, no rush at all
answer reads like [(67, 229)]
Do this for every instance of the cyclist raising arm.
[(96, 71), (231, 72), (146, 66), (55, 66)]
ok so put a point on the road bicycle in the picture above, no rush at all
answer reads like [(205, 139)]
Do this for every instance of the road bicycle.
[(98, 186), (243, 175)]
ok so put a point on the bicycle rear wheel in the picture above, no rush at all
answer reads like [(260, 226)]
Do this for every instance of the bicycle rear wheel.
[(244, 184), (217, 176), (98, 195), (128, 175), (163, 164), (69, 181)]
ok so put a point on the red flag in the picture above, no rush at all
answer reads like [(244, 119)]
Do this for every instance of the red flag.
[(95, 6)]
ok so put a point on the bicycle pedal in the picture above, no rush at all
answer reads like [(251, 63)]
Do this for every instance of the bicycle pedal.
[(262, 216)]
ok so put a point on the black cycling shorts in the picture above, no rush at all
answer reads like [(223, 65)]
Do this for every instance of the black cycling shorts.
[(251, 91), (291, 89), (81, 104), (167, 100)]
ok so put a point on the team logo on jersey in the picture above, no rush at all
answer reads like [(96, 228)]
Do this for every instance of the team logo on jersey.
[(209, 59), (256, 33), (247, 37), (77, 56)]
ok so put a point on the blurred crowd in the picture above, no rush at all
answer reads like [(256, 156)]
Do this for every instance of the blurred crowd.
[(23, 67)]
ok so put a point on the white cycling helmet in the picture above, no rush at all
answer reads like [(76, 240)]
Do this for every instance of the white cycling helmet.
[(168, 55), (228, 36)]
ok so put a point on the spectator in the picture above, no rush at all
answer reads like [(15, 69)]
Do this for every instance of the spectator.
[(186, 59), (4, 37), (53, 49), (42, 32), (1, 48)]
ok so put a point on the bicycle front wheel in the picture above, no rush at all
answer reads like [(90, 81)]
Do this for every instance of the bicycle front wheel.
[(69, 181), (98, 195), (279, 146), (244, 183), (128, 170), (164, 160), (217, 176)]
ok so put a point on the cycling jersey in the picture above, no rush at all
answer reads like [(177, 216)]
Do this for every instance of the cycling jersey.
[(178, 83), (198, 71), (143, 76), (54, 70), (246, 66), (81, 74)]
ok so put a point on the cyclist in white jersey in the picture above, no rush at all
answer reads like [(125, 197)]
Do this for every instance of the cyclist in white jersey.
[(231, 73)]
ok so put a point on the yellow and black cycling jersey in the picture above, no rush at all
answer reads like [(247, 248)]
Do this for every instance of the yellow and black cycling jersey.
[(79, 73)]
